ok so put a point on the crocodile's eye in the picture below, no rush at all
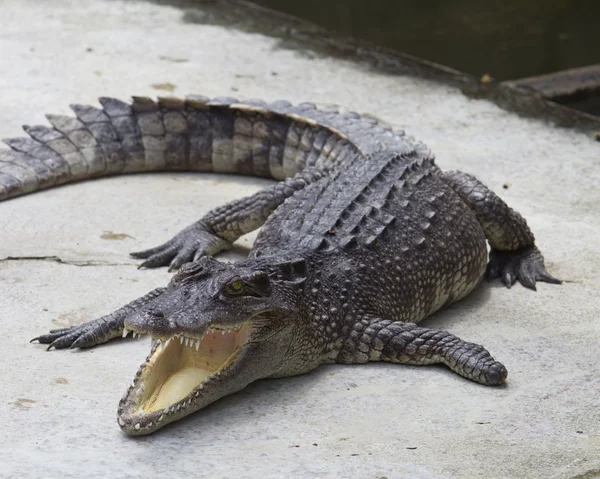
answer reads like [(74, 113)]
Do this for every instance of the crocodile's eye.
[(234, 287)]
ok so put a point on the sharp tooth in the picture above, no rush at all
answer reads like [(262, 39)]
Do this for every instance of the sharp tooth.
[(223, 332), (137, 426), (167, 343), (125, 332), (160, 418), (181, 339), (121, 422), (197, 345)]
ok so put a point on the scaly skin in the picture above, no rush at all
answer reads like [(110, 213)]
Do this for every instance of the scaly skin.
[(363, 237)]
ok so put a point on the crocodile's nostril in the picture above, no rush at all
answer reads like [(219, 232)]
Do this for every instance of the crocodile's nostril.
[(156, 313)]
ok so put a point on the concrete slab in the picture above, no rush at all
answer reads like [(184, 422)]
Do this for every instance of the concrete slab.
[(58, 409)]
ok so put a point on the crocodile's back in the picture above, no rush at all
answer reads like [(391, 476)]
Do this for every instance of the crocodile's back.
[(403, 243)]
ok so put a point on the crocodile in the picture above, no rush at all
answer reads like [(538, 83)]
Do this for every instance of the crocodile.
[(363, 236)]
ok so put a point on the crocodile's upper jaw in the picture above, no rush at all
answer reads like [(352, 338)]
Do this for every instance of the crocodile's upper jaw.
[(182, 375)]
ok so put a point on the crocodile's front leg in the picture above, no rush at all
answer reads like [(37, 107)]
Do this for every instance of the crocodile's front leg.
[(97, 331), (514, 255), (217, 230), (407, 343)]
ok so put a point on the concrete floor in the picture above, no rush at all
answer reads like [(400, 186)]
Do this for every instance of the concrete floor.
[(58, 409)]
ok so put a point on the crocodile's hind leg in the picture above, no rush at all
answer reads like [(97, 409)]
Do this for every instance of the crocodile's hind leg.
[(217, 230), (407, 343), (97, 331), (513, 255)]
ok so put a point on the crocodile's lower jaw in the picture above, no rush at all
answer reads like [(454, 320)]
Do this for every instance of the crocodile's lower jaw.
[(176, 376)]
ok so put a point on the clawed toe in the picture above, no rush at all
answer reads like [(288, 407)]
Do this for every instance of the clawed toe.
[(191, 244), (58, 338), (525, 265)]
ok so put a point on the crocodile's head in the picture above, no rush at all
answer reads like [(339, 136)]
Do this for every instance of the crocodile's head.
[(216, 328)]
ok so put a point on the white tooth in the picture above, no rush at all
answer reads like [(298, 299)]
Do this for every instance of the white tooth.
[(149, 424), (167, 409), (201, 386), (167, 342), (137, 426), (125, 332), (197, 345), (134, 334), (181, 339), (223, 333), (121, 422), (160, 418)]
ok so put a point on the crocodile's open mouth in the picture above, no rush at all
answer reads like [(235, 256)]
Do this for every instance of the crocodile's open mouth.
[(175, 374)]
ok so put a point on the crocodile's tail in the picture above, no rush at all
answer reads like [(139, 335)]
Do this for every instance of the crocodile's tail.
[(193, 134)]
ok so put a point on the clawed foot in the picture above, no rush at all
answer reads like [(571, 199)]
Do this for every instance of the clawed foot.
[(525, 265), (82, 336), (97, 331), (190, 244)]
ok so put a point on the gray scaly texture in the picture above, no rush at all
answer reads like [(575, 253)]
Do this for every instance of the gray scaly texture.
[(363, 236)]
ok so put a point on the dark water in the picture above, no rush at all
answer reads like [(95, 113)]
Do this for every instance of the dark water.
[(507, 40)]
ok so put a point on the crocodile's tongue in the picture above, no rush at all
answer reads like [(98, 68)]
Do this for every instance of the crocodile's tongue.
[(179, 366)]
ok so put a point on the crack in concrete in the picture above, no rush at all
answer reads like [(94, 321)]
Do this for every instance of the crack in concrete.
[(56, 259)]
